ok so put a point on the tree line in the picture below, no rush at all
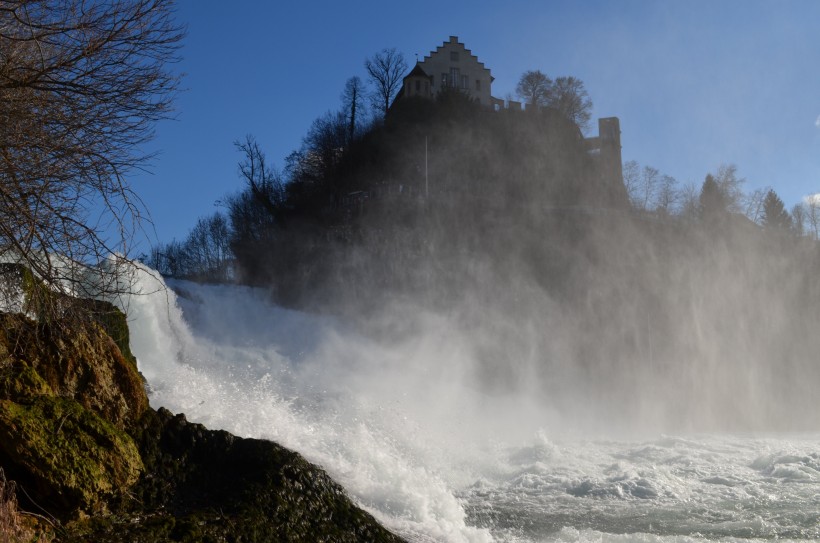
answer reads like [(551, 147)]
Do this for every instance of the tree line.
[(722, 192), (398, 199)]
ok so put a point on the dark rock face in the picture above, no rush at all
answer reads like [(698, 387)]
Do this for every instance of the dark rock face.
[(205, 485), (78, 436)]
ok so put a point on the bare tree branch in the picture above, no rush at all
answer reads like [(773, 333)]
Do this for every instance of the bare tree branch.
[(82, 83), (535, 88), (386, 70)]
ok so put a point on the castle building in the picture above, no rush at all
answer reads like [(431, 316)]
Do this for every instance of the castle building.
[(417, 83), (605, 148), (452, 66)]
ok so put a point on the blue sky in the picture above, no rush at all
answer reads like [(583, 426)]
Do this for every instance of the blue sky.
[(695, 83)]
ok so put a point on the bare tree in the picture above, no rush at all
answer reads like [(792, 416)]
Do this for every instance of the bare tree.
[(642, 185), (566, 95), (647, 187), (386, 70), (325, 141), (649, 190), (632, 177), (205, 254), (353, 104), (731, 186), (569, 96), (263, 182), (534, 88), (207, 249), (799, 219), (82, 83), (668, 195), (257, 213), (813, 214), (753, 204), (689, 201)]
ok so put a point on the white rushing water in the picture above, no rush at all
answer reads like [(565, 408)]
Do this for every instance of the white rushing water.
[(402, 425)]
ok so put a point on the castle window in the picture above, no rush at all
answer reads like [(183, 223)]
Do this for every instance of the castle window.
[(453, 56), (478, 85), (443, 80), (465, 82), (454, 77)]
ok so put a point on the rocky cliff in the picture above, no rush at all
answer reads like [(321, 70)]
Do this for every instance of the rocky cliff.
[(95, 462)]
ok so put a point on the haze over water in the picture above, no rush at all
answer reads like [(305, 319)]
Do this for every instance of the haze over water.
[(401, 415)]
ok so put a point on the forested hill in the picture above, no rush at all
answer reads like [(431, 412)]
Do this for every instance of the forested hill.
[(499, 222), (410, 198)]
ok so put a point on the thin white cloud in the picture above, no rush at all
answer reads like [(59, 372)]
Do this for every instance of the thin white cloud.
[(812, 199), (817, 122)]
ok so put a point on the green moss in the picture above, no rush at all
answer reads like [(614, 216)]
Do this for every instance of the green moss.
[(78, 435), (115, 324), (71, 359), (74, 458), (22, 381), (18, 379)]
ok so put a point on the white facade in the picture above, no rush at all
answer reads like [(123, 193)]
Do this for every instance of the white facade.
[(453, 65)]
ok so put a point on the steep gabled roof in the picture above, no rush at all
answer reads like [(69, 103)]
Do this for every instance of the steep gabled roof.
[(417, 71), (454, 41)]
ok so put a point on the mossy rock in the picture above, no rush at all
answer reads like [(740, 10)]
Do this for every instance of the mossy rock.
[(77, 434), (66, 457), (75, 359), (202, 485), (20, 381)]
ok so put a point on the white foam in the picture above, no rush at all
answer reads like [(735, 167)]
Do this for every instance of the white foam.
[(261, 371), (403, 426)]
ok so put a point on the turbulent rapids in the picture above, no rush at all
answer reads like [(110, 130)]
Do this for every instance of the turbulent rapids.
[(400, 422)]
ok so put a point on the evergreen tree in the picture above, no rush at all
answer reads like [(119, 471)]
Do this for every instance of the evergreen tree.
[(775, 215), (712, 200)]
